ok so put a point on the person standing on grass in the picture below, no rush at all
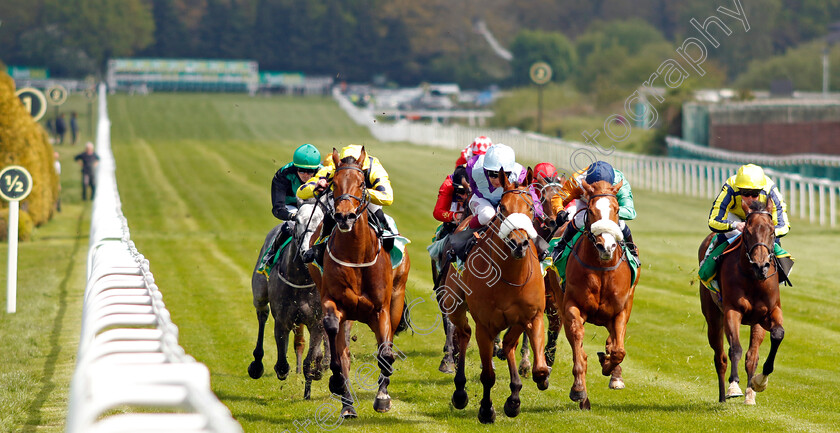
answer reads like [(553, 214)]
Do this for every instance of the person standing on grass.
[(57, 165), (74, 128), (60, 128), (88, 160)]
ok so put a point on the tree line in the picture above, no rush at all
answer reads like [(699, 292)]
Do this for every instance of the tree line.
[(403, 41)]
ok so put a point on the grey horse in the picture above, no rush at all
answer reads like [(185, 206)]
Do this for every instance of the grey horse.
[(294, 301)]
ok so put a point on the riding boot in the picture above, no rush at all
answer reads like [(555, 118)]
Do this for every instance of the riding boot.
[(461, 243), (628, 241), (542, 247), (568, 235), (317, 251), (387, 240)]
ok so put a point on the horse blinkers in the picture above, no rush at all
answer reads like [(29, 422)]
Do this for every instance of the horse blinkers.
[(345, 220)]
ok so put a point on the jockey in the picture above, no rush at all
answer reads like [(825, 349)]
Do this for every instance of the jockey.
[(597, 171), (378, 188), (483, 172), (479, 146), (305, 162), (548, 172), (452, 196), (727, 216)]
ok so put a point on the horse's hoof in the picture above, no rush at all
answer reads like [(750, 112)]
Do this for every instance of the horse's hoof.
[(616, 383), (542, 385), (759, 382), (460, 399), (525, 370), (337, 384), (446, 367), (317, 374), (584, 405), (282, 371), (749, 400), (382, 405), (255, 370), (307, 390), (734, 390), (348, 412), (487, 415), (512, 407), (577, 395)]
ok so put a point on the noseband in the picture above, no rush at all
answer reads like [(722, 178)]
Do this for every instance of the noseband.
[(364, 200), (750, 249)]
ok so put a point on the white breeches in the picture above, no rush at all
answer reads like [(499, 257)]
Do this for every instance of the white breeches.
[(482, 209)]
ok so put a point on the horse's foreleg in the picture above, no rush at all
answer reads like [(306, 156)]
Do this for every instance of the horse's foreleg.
[(714, 332), (334, 328), (385, 358), (525, 363), (732, 325), (281, 337), (513, 402), (535, 333), (461, 335), (777, 334), (299, 343), (573, 323), (255, 370), (484, 340), (615, 353), (751, 360)]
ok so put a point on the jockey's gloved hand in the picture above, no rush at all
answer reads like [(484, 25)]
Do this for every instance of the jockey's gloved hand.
[(561, 218)]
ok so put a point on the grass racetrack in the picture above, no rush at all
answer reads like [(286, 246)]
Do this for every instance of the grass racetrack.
[(194, 174)]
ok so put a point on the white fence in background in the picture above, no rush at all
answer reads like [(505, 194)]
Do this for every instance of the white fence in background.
[(131, 373), (814, 200)]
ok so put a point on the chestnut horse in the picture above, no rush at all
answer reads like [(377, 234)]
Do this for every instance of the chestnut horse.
[(599, 288), (501, 293), (358, 284), (749, 290), (549, 189)]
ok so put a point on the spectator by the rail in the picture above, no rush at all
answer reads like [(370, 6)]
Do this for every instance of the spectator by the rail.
[(60, 128), (74, 127), (88, 160), (57, 165)]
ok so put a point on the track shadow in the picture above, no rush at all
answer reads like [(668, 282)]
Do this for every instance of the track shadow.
[(47, 383)]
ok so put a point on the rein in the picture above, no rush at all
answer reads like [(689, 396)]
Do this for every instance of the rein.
[(591, 237), (502, 216), (749, 250), (362, 207)]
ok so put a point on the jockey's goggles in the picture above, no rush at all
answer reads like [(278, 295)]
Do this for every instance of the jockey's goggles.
[(307, 170), (750, 192), (492, 174)]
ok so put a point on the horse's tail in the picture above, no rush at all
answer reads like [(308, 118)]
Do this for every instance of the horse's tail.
[(403, 325)]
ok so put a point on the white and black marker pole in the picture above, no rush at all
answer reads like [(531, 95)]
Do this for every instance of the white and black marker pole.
[(15, 185)]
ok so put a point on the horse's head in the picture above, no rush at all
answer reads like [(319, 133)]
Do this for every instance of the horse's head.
[(349, 190), (548, 189), (308, 217), (759, 231), (602, 216), (516, 212)]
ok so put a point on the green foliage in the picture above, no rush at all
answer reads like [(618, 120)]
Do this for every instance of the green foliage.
[(802, 66), (23, 142), (531, 46)]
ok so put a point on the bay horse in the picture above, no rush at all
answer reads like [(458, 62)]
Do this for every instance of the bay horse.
[(294, 302), (749, 295), (358, 284), (599, 289), (502, 287)]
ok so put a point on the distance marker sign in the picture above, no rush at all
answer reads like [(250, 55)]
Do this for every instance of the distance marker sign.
[(15, 183), (57, 94), (34, 102), (540, 73)]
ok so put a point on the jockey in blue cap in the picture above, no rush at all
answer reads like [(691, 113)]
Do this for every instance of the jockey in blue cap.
[(597, 171)]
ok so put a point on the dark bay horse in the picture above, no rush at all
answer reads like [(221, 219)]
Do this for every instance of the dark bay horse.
[(358, 284), (502, 287), (294, 302), (749, 290), (599, 289)]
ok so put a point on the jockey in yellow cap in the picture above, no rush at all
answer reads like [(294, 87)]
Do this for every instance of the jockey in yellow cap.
[(727, 216), (378, 187)]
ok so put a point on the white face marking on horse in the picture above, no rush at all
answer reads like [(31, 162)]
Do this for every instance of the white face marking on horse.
[(603, 206)]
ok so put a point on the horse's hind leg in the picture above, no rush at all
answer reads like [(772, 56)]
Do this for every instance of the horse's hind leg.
[(525, 363), (461, 332), (300, 344), (554, 325), (281, 337), (513, 402), (777, 334), (714, 332), (312, 363), (484, 340), (751, 360), (255, 370)]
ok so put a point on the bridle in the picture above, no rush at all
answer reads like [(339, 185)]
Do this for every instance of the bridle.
[(502, 217), (750, 249), (591, 237), (364, 200)]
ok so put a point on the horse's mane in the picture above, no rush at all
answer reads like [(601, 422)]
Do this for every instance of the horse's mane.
[(348, 160)]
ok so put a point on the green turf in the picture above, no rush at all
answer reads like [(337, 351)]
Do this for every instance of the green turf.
[(194, 173)]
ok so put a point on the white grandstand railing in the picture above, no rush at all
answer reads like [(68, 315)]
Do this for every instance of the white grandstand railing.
[(807, 198), (129, 360)]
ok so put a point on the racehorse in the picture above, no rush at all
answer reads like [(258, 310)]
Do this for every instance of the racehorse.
[(749, 295), (294, 302), (358, 284), (501, 293), (599, 289)]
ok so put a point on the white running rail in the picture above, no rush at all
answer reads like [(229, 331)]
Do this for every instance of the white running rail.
[(814, 200), (131, 373)]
